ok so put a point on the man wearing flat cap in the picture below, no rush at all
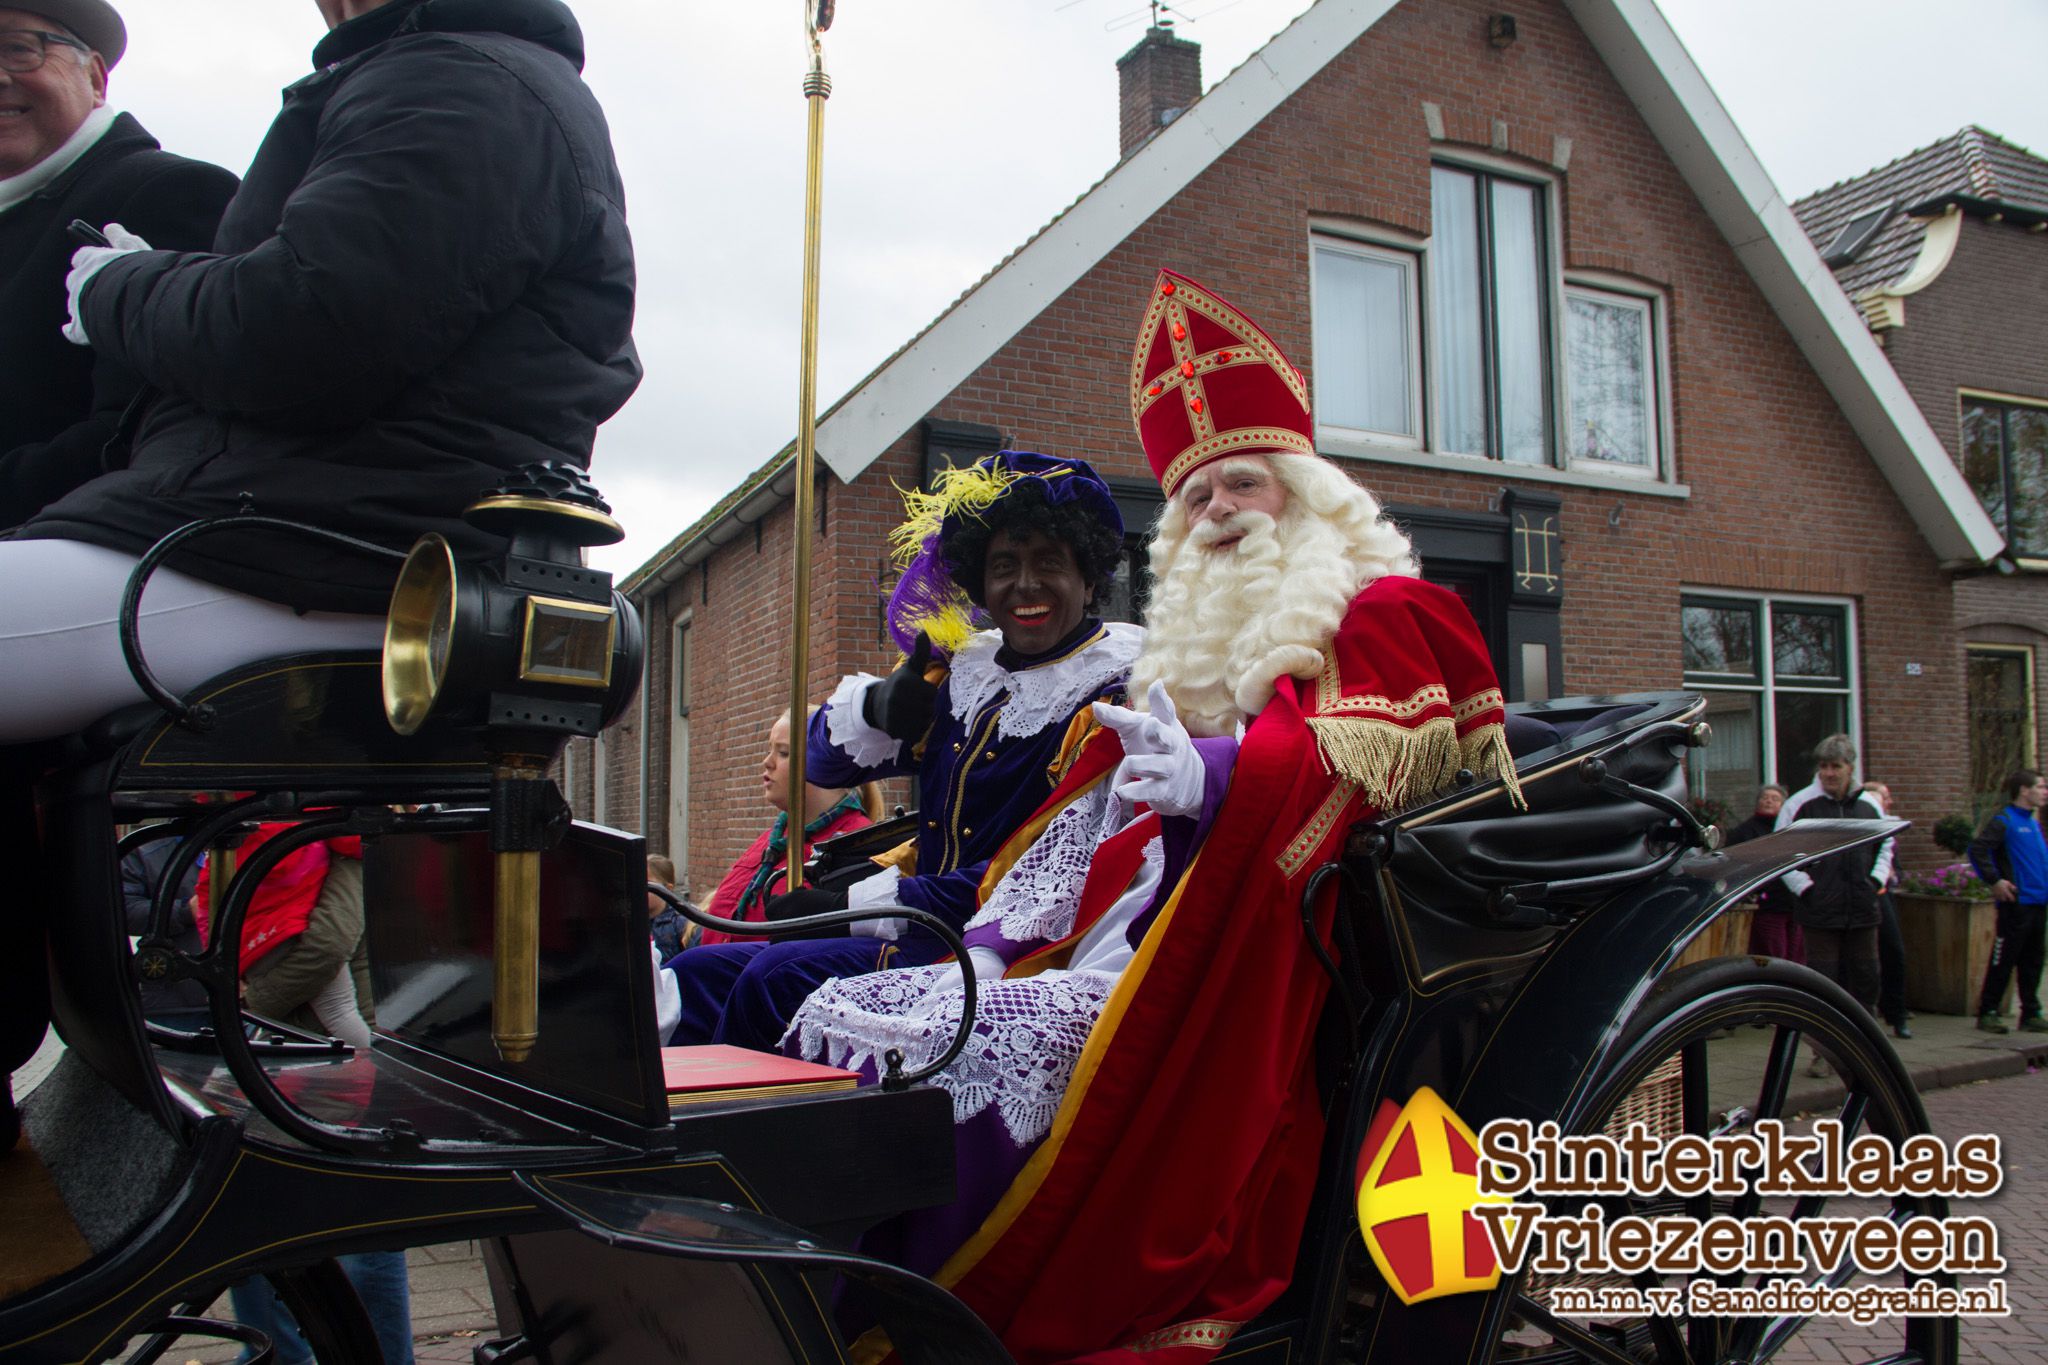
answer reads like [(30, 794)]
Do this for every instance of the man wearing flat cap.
[(64, 154)]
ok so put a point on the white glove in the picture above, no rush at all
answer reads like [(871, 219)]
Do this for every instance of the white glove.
[(87, 262), (869, 892), (1160, 766)]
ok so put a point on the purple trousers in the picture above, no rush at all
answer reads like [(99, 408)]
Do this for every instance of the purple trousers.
[(1773, 934)]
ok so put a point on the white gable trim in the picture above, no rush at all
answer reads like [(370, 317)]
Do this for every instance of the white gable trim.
[(1673, 98), (1653, 67), (899, 394)]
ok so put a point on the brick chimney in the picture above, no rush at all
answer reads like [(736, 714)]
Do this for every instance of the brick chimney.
[(1157, 80)]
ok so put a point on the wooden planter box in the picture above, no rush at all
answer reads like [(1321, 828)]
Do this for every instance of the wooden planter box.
[(1948, 943), (1727, 936)]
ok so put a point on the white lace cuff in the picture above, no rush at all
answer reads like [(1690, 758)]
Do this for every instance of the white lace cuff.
[(849, 730), (879, 889)]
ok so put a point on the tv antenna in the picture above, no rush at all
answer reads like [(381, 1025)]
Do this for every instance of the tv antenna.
[(1160, 13)]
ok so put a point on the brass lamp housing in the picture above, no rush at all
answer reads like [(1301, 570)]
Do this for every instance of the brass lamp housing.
[(527, 647), (419, 633)]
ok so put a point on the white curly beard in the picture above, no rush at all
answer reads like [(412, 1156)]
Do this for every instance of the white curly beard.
[(1223, 626)]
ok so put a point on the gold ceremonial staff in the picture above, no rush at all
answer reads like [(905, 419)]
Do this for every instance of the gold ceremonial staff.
[(817, 89)]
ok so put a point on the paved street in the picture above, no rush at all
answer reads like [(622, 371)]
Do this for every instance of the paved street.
[(1972, 1082), (2013, 1107)]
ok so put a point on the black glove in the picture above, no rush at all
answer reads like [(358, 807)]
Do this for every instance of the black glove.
[(900, 705), (808, 900)]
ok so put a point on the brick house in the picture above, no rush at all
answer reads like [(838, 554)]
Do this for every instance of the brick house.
[(1945, 252), (1554, 314)]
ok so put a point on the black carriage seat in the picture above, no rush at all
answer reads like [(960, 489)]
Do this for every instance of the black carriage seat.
[(1530, 732), (1452, 857)]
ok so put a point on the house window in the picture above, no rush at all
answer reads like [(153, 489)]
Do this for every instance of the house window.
[(1778, 676), (2001, 701), (1611, 374), (1368, 327), (2005, 458), (1125, 596), (1489, 287)]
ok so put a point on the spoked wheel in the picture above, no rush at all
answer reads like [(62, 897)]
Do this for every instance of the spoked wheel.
[(1663, 1077)]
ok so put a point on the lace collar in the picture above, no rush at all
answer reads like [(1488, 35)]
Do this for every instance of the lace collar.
[(1044, 694)]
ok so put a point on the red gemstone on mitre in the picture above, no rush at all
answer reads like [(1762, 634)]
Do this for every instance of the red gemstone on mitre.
[(1224, 357), (1180, 333), (1166, 288), (1196, 404), (1156, 390), (1187, 367)]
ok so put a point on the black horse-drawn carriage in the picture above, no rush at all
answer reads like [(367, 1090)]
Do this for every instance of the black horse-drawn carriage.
[(1520, 964)]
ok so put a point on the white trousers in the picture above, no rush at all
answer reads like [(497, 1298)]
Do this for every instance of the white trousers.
[(60, 644)]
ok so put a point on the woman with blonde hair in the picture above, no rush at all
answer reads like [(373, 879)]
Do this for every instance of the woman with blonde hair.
[(758, 874)]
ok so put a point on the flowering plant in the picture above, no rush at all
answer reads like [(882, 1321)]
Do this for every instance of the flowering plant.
[(1958, 880)]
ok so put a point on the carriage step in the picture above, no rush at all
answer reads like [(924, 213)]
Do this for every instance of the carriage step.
[(632, 1210)]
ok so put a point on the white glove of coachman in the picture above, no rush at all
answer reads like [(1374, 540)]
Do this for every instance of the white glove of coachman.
[(1160, 765), (87, 262)]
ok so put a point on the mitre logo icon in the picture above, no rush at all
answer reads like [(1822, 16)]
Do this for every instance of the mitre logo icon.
[(1418, 1182)]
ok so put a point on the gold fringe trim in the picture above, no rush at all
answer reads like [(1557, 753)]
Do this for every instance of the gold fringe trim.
[(1394, 765), (1486, 754), (1398, 765)]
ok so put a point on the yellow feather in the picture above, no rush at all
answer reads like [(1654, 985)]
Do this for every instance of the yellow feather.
[(970, 489)]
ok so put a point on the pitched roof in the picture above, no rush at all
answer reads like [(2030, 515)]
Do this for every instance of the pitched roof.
[(1971, 164), (1667, 89)]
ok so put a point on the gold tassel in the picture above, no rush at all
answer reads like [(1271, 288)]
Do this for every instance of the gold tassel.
[(1486, 754)]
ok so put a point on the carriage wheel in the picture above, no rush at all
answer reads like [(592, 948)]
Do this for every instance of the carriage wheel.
[(1664, 1077)]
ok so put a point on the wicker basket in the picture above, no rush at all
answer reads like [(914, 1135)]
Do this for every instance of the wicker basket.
[(1657, 1103)]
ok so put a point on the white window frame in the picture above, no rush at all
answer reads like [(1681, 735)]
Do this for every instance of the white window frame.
[(1408, 256), (1504, 168), (1343, 443), (1767, 661), (1610, 290)]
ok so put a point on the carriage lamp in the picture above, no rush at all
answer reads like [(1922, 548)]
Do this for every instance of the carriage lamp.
[(526, 648)]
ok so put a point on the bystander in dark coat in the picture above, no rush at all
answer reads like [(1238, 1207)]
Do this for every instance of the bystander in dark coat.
[(425, 283), (60, 404)]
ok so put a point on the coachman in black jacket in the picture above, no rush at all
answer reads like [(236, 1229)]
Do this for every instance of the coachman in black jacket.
[(425, 282), (59, 403)]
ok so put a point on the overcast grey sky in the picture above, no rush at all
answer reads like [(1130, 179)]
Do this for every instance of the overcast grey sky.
[(956, 129)]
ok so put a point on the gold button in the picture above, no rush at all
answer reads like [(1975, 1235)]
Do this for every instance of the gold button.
[(931, 824), (967, 831), (989, 757), (956, 748)]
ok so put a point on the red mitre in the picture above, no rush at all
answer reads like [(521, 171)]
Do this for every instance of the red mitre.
[(1207, 382)]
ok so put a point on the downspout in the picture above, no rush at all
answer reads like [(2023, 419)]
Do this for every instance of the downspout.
[(646, 743)]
